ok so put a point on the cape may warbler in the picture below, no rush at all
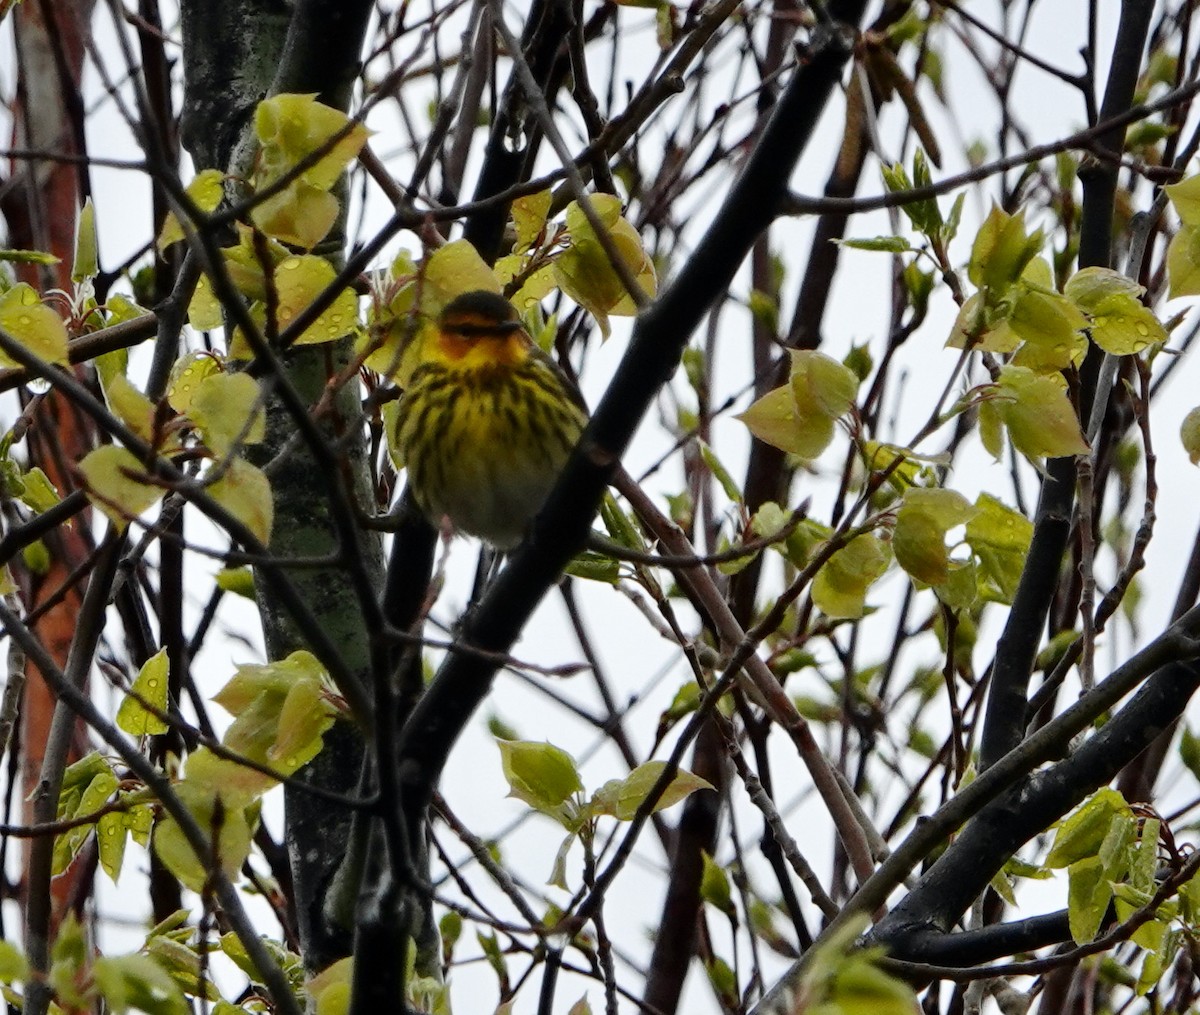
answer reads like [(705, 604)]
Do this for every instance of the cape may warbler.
[(486, 421)]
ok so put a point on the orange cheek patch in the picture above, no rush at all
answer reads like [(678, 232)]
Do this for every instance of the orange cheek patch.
[(503, 349)]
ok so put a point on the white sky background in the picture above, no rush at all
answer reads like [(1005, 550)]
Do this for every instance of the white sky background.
[(635, 659)]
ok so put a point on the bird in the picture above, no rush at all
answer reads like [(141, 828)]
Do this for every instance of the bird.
[(486, 421)]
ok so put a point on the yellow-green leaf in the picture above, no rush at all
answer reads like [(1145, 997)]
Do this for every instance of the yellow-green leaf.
[(636, 787), (291, 127), (129, 405), (1185, 197), (245, 492), (304, 719), (113, 484), (714, 886), (37, 328), (149, 686), (1189, 434), (773, 420), (1038, 414), (1081, 833), (298, 282), (300, 215), (821, 384), (452, 270), (529, 218), (542, 775), (188, 373), (38, 493), (227, 408), (1122, 325), (1046, 318), (224, 824), (985, 329), (111, 836), (1088, 895), (12, 963), (1001, 251), (237, 580), (330, 988), (1089, 287), (584, 270), (206, 191), (204, 309)]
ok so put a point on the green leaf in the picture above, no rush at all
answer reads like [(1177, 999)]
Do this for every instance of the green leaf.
[(86, 263), (138, 982), (720, 473), (558, 871), (12, 963), (330, 989), (821, 384), (529, 214), (150, 685), (450, 271), (87, 786), (596, 567), (887, 244), (1189, 751), (542, 775), (714, 887), (300, 215), (1183, 262), (924, 518), (28, 257), (237, 580), (38, 493), (1046, 318), (840, 587), (723, 980), (187, 376), (773, 420), (112, 832), (1081, 834), (999, 537), (1088, 896), (1089, 287), (635, 789), (282, 716), (128, 404), (182, 962), (1001, 251), (982, 328), (291, 127)]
